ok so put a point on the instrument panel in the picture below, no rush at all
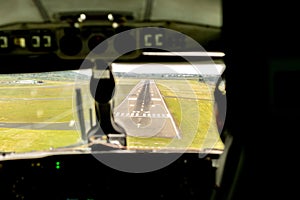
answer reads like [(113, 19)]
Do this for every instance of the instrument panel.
[(65, 41), (74, 40)]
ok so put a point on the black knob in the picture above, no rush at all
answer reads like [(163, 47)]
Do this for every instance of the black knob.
[(70, 45), (95, 41)]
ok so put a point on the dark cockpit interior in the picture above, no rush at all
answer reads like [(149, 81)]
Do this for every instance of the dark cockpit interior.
[(148, 99)]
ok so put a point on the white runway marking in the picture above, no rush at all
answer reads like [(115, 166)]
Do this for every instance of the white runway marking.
[(137, 114), (155, 99)]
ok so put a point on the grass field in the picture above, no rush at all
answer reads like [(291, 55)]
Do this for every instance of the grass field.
[(20, 140), (50, 102), (190, 103)]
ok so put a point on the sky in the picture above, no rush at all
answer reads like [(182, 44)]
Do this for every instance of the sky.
[(181, 68)]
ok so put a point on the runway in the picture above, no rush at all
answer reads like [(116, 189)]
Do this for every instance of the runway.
[(143, 113)]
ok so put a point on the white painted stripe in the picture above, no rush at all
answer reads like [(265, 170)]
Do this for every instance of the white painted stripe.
[(155, 99)]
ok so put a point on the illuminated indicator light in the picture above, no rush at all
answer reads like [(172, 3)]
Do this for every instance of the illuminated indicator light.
[(76, 25), (110, 17), (115, 25), (20, 42), (47, 39), (81, 17), (36, 41), (57, 165), (3, 42)]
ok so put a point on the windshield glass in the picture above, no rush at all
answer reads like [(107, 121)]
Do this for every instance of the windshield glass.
[(39, 111), (157, 101), (204, 12)]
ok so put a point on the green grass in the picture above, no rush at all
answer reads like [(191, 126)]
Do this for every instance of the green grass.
[(21, 140), (37, 91), (36, 111), (190, 103), (51, 102)]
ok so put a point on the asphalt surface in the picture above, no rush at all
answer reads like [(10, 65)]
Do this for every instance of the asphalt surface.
[(143, 113)]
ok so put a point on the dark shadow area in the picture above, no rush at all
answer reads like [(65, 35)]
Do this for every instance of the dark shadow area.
[(261, 46), (261, 43)]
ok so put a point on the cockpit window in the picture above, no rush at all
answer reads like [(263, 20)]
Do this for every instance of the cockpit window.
[(158, 105), (156, 100), (37, 110), (207, 12)]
